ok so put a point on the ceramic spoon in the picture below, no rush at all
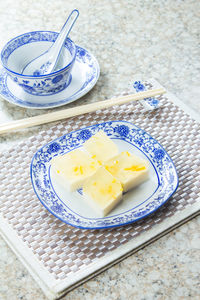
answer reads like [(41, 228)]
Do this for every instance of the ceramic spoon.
[(46, 62)]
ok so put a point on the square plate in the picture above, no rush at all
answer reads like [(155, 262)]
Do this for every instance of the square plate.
[(138, 203)]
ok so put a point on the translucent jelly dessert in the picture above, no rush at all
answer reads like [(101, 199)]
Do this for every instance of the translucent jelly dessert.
[(129, 169), (73, 168), (102, 192), (101, 147)]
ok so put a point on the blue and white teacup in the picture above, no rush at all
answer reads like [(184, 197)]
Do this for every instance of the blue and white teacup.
[(19, 51)]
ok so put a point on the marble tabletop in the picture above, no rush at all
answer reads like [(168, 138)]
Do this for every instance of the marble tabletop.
[(131, 39)]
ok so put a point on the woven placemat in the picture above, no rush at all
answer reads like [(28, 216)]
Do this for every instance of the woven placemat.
[(60, 256)]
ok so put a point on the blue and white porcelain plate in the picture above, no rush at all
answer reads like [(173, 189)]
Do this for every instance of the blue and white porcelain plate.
[(136, 204), (85, 74)]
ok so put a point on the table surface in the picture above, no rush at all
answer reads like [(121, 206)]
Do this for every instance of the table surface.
[(131, 39)]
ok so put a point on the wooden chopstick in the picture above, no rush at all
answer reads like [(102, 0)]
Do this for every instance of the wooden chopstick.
[(75, 111)]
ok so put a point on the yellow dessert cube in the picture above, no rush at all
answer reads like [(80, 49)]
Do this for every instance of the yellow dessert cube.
[(102, 192), (129, 169), (101, 147), (73, 168)]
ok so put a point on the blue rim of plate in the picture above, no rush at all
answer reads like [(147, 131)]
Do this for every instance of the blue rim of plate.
[(126, 131), (82, 56)]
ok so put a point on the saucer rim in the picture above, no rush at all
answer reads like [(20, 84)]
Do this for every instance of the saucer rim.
[(53, 105)]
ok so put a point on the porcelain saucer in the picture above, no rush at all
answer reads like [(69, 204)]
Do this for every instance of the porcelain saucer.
[(85, 74)]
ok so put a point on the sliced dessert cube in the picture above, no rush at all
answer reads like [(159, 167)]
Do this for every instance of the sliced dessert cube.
[(129, 169), (73, 168), (101, 147), (102, 192)]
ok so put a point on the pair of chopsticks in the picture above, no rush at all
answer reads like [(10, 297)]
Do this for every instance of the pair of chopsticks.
[(75, 111)]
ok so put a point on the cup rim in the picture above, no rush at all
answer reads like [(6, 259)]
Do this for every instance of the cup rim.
[(39, 76)]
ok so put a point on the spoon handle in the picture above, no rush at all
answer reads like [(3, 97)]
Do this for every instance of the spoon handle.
[(62, 36)]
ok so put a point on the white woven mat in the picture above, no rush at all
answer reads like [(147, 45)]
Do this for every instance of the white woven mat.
[(60, 256)]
